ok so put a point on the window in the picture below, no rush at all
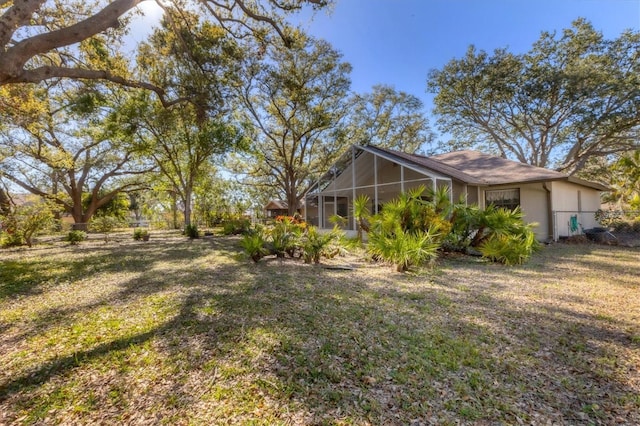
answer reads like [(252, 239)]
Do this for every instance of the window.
[(342, 208), (506, 198)]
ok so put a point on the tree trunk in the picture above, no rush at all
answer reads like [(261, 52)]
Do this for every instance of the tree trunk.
[(78, 216), (187, 207), (174, 209), (292, 203), (5, 203)]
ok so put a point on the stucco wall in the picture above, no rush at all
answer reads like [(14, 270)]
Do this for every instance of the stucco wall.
[(533, 202), (570, 199)]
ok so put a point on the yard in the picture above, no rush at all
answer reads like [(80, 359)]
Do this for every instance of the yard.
[(174, 331)]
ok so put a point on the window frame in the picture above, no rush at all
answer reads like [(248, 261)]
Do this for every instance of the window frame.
[(507, 203)]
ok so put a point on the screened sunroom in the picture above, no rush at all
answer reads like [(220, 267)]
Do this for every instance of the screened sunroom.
[(364, 170)]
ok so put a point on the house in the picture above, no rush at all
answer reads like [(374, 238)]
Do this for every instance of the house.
[(561, 205), (275, 208)]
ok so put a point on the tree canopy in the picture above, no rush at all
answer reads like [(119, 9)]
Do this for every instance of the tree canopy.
[(56, 145), (389, 118), (296, 99), (38, 37), (574, 96), (198, 61)]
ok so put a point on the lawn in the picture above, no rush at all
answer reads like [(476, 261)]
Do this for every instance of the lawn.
[(173, 331)]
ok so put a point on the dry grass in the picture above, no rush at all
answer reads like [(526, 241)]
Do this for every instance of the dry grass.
[(186, 332)]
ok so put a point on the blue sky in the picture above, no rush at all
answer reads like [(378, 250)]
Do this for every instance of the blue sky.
[(397, 42)]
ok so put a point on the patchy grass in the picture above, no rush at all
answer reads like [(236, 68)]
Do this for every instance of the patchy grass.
[(178, 331)]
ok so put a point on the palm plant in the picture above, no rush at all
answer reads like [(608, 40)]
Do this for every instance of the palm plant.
[(405, 249), (285, 237), (408, 231), (315, 244), (510, 249), (362, 214), (254, 245)]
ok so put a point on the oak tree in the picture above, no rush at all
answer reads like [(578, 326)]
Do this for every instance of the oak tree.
[(389, 118), (296, 100), (55, 146), (199, 62), (38, 38), (574, 96)]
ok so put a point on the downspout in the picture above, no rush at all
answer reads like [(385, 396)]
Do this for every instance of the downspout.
[(550, 217)]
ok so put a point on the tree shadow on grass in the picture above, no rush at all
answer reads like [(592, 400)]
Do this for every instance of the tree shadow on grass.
[(334, 346), (30, 276)]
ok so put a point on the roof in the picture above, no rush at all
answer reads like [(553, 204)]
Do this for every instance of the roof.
[(476, 168), (281, 205), (276, 205)]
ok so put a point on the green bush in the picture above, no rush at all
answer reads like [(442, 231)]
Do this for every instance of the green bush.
[(512, 249), (405, 249), (254, 246), (316, 244), (285, 236), (104, 224), (236, 226), (408, 230), (11, 239), (465, 222), (23, 223), (75, 237), (140, 234), (191, 231)]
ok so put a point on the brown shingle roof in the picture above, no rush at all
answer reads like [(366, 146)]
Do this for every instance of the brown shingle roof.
[(276, 205), (281, 205), (476, 168), (495, 170)]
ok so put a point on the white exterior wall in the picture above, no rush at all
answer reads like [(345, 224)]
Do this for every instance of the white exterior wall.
[(533, 202), (533, 199), (569, 199)]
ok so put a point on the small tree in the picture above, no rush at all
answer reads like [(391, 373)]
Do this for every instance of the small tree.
[(25, 222), (362, 214)]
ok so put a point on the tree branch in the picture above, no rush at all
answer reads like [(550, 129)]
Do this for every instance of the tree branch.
[(46, 72), (15, 16), (13, 60)]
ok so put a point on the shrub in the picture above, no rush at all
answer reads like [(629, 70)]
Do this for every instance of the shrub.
[(191, 231), (465, 222), (236, 226), (24, 222), (10, 238), (512, 249), (404, 249), (316, 244), (609, 218), (254, 245), (503, 236), (140, 234), (408, 230), (75, 237), (285, 236)]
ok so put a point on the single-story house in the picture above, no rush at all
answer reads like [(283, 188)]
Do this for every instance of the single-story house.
[(555, 201), (275, 208)]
